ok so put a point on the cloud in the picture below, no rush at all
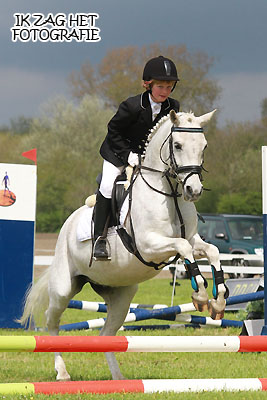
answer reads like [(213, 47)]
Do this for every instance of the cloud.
[(242, 96), (24, 91)]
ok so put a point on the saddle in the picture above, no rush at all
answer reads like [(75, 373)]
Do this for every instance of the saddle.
[(119, 195)]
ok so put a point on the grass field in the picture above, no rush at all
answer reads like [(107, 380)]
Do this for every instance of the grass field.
[(37, 367)]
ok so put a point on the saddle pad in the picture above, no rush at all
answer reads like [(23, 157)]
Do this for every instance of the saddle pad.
[(84, 228)]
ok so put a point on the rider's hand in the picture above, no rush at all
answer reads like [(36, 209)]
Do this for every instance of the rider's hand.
[(133, 159)]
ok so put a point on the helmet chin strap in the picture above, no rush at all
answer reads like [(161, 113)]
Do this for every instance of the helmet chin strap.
[(174, 86)]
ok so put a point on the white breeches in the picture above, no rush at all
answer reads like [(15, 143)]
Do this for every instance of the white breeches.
[(109, 174)]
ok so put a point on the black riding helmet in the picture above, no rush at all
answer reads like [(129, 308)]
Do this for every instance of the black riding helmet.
[(160, 68)]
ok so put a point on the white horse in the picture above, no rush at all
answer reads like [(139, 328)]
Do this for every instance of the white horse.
[(164, 224)]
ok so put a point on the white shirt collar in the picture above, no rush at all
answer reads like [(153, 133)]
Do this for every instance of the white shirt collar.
[(156, 107)]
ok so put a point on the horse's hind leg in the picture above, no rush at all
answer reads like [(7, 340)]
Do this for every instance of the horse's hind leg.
[(53, 315), (58, 301), (118, 301)]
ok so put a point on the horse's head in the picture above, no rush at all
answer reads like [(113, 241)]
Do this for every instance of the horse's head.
[(186, 145)]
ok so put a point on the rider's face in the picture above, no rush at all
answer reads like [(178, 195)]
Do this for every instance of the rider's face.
[(160, 91)]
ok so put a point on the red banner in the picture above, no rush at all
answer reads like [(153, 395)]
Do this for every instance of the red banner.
[(31, 154)]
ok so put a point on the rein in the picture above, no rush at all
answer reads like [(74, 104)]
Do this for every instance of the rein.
[(129, 240), (173, 171), (170, 172)]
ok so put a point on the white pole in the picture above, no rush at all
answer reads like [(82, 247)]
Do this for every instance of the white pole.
[(264, 212)]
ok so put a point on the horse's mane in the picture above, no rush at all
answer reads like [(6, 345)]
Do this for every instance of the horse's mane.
[(155, 128)]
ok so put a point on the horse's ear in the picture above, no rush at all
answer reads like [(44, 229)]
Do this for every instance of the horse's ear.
[(174, 117), (204, 119)]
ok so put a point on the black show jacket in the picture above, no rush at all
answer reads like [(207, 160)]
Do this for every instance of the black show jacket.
[(129, 128)]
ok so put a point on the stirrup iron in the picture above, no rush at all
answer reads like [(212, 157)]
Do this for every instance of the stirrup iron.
[(107, 248)]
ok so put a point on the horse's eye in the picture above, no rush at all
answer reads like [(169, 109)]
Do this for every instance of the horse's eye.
[(177, 146)]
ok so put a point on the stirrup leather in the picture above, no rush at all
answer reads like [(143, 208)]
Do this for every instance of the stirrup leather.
[(217, 279), (193, 271)]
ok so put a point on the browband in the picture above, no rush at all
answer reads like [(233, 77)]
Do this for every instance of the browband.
[(193, 130)]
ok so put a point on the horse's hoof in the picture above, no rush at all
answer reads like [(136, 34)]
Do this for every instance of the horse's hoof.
[(118, 377), (199, 306), (200, 299), (216, 309), (64, 378)]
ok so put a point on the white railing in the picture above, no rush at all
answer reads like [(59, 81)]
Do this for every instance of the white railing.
[(256, 269)]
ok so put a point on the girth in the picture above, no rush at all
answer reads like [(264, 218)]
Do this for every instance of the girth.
[(129, 239)]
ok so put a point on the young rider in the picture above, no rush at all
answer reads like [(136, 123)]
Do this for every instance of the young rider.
[(127, 134)]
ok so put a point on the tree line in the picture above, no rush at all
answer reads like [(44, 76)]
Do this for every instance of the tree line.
[(68, 135)]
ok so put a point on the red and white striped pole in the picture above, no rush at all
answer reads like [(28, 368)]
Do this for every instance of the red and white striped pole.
[(134, 343), (135, 386)]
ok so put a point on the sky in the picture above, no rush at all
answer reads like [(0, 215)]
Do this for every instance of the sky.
[(233, 32)]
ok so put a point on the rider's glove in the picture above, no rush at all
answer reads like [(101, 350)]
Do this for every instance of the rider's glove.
[(133, 159)]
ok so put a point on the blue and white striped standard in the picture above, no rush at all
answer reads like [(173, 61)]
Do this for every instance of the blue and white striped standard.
[(264, 212)]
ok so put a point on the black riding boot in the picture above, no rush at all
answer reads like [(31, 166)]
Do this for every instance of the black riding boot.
[(102, 212)]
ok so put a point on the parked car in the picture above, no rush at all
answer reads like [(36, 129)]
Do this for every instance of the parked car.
[(233, 233)]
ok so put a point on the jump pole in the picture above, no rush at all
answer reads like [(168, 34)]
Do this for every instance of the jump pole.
[(264, 212), (145, 315), (184, 344), (187, 307), (136, 386), (157, 327), (102, 307)]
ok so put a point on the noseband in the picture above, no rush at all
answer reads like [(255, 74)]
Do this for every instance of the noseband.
[(175, 169)]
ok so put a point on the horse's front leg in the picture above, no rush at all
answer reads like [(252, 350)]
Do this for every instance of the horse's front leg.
[(219, 291), (164, 248)]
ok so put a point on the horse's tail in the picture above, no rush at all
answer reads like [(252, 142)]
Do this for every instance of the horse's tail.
[(36, 302)]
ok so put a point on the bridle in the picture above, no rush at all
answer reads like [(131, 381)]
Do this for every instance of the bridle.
[(174, 169)]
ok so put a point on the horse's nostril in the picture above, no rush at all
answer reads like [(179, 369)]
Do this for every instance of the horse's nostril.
[(189, 190)]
